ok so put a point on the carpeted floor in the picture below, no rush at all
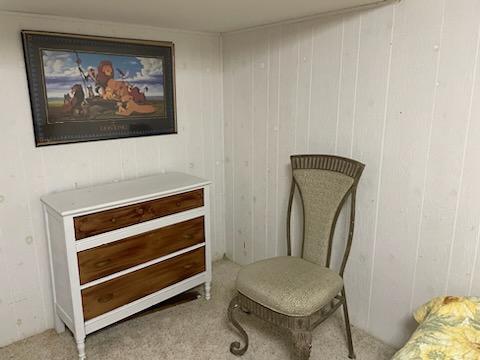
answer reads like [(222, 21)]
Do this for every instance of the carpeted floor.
[(195, 330)]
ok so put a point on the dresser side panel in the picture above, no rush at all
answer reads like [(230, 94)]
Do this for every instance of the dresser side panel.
[(208, 233), (59, 256)]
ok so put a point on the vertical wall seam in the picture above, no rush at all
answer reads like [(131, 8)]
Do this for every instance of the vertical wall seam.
[(427, 159), (278, 137), (299, 48), (185, 146), (312, 38), (252, 165), (12, 289), (35, 240), (295, 123), (202, 115), (136, 157), (122, 171), (382, 158), (462, 170), (222, 157), (267, 199), (340, 77), (158, 150), (216, 211), (475, 257), (354, 114), (233, 161), (35, 243), (222, 126), (90, 174), (211, 161), (47, 189)]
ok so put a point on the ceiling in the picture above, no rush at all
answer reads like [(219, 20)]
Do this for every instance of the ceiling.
[(201, 15)]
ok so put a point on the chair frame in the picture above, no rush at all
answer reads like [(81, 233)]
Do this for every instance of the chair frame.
[(301, 327)]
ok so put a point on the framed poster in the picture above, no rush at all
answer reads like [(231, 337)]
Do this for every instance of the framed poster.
[(85, 88)]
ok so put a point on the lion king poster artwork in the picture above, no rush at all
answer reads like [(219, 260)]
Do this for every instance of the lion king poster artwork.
[(92, 88)]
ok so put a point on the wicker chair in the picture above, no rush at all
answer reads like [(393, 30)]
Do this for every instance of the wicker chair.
[(298, 293)]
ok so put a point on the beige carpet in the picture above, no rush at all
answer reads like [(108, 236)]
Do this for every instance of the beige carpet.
[(195, 330)]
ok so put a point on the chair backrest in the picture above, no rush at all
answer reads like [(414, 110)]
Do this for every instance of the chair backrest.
[(324, 183)]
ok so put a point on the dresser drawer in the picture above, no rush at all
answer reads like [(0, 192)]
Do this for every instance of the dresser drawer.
[(112, 294), (107, 259), (98, 223)]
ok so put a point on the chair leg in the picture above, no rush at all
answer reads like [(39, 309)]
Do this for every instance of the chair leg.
[(302, 344), (351, 353), (235, 347)]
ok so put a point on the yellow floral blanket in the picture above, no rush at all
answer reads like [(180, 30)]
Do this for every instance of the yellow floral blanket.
[(449, 330)]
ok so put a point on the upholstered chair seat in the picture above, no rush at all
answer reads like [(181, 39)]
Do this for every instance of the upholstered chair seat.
[(289, 285)]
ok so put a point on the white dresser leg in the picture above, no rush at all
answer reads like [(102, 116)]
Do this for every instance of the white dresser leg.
[(207, 290), (59, 325), (81, 349)]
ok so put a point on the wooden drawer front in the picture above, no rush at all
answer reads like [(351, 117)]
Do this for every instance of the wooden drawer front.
[(125, 289), (107, 259), (98, 223)]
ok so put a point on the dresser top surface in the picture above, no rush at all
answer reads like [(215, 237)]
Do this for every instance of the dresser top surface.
[(97, 197)]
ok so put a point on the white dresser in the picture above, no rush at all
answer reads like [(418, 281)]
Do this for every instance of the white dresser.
[(119, 248)]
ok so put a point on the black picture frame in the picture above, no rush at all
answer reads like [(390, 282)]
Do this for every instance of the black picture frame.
[(103, 101)]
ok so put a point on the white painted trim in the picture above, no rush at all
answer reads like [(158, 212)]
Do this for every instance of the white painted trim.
[(141, 266), (136, 229), (143, 303)]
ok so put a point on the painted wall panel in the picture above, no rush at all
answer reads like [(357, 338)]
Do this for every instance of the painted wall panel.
[(444, 172), (397, 88), (259, 94), (367, 146), (242, 124), (403, 169), (273, 140), (348, 81), (229, 138), (326, 67), (289, 54)]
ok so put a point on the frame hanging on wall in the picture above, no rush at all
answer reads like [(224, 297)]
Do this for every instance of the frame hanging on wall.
[(85, 88)]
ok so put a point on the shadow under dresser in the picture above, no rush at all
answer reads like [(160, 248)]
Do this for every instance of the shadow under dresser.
[(119, 248)]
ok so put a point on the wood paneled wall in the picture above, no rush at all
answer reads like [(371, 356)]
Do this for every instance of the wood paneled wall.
[(28, 172), (396, 87)]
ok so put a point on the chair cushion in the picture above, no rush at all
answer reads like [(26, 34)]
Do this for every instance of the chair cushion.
[(289, 285)]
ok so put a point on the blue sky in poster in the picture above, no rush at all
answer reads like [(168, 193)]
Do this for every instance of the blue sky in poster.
[(61, 71)]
